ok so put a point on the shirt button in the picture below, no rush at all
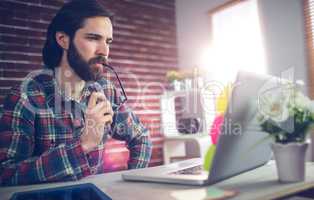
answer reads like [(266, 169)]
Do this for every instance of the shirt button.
[(93, 171)]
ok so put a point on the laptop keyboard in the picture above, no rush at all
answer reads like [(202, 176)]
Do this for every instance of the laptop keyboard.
[(197, 170)]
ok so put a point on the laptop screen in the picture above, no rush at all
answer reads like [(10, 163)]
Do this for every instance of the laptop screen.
[(241, 144)]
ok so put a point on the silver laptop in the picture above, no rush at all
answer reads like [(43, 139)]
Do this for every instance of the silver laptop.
[(241, 145)]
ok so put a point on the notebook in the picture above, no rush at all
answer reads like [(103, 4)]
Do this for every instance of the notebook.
[(241, 145)]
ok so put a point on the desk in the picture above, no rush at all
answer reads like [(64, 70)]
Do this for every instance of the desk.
[(260, 184)]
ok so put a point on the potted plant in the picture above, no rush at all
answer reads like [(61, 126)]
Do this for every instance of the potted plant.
[(184, 78), (287, 115), (174, 78)]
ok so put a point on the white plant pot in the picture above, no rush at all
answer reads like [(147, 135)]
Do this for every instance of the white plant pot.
[(176, 85), (290, 161)]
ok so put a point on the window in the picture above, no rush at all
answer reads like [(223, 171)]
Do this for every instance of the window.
[(236, 40)]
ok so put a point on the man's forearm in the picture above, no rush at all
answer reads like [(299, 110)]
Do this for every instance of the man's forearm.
[(140, 152), (65, 162)]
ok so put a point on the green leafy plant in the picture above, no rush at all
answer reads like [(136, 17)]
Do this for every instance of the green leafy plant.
[(286, 114), (173, 75)]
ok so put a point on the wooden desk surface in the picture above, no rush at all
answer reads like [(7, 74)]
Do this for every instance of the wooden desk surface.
[(260, 183)]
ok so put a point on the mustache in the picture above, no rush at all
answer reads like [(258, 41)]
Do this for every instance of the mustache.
[(99, 59)]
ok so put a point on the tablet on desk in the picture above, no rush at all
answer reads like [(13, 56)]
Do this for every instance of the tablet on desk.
[(86, 191)]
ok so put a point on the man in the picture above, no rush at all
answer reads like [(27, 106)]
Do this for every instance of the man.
[(54, 125)]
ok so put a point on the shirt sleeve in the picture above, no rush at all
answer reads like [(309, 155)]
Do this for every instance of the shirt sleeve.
[(127, 127), (18, 164)]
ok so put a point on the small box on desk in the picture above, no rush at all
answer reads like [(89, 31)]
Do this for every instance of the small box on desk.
[(86, 191)]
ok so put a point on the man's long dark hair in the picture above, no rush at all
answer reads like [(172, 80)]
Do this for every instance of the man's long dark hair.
[(69, 19)]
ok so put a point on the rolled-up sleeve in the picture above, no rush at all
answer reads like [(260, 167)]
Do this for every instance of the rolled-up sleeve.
[(18, 162), (127, 127)]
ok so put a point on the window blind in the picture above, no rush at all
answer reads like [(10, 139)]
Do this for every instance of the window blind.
[(309, 28)]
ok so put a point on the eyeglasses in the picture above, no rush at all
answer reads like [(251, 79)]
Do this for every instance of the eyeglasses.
[(94, 87), (120, 84)]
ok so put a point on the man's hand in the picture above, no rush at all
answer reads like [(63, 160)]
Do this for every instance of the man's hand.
[(98, 115)]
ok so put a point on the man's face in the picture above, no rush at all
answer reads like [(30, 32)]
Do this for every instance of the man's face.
[(90, 48)]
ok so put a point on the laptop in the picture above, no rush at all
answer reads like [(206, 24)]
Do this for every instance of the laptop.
[(241, 145)]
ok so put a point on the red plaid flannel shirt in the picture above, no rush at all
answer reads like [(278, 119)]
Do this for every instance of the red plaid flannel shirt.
[(40, 131)]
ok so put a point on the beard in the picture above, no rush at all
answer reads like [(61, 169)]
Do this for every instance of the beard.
[(85, 69)]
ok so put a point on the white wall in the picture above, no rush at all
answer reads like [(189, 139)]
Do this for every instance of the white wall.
[(282, 25), (193, 29), (284, 35)]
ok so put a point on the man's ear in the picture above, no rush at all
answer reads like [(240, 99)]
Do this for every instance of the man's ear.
[(63, 40)]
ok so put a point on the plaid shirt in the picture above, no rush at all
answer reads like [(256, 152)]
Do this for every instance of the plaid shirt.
[(40, 133)]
